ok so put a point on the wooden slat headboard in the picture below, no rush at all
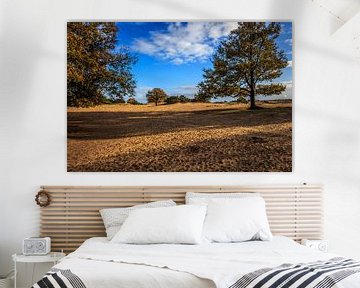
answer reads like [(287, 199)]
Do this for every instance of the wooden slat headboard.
[(73, 215)]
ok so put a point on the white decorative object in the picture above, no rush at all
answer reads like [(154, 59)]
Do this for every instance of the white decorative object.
[(113, 218), (53, 257), (236, 220), (36, 246), (320, 245), (172, 225)]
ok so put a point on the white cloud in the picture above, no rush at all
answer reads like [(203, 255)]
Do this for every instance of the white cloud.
[(289, 64), (140, 93), (287, 83), (145, 47), (187, 90), (287, 94), (184, 42)]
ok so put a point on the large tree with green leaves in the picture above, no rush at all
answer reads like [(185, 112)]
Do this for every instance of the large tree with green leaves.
[(245, 64), (96, 68), (156, 96)]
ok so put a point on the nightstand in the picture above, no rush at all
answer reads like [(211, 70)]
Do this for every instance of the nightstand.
[(53, 257), (320, 245)]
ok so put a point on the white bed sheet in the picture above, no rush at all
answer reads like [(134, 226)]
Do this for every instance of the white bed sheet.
[(106, 274), (101, 274), (100, 263)]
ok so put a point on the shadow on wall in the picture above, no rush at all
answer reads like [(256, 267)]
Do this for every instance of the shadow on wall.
[(340, 138), (185, 9), (22, 34), (21, 52)]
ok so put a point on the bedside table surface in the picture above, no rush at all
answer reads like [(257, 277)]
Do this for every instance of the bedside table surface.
[(51, 257)]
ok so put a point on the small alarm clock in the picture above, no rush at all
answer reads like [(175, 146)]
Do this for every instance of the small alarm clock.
[(36, 246)]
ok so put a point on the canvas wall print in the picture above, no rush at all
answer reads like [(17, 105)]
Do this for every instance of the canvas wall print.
[(179, 96)]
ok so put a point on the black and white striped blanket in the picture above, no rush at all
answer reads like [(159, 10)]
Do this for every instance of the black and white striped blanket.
[(320, 274), (57, 278)]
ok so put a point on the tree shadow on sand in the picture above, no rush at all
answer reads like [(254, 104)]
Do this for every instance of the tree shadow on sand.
[(255, 152), (116, 125)]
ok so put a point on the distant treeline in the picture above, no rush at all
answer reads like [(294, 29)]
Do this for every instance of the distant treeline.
[(166, 100)]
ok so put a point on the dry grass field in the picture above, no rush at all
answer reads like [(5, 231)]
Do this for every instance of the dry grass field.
[(193, 137)]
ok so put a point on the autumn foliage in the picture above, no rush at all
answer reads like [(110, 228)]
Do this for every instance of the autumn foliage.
[(156, 96), (97, 70)]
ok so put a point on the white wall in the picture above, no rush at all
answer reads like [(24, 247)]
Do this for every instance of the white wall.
[(33, 108)]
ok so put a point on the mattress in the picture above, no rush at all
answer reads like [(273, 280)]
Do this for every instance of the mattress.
[(99, 263)]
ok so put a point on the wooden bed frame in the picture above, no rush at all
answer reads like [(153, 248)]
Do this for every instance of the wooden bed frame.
[(73, 214)]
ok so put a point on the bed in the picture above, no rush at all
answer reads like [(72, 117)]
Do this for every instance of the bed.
[(282, 262), (99, 263)]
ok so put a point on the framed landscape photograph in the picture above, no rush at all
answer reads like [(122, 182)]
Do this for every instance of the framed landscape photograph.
[(179, 96)]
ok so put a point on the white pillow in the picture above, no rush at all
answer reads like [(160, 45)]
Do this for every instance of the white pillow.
[(236, 220), (204, 198), (173, 225), (113, 218)]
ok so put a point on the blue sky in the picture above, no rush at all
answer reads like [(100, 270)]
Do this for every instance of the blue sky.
[(172, 55)]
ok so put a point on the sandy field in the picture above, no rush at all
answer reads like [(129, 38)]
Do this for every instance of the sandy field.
[(190, 137)]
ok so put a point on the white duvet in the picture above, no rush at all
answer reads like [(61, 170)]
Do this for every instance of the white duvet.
[(100, 263)]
